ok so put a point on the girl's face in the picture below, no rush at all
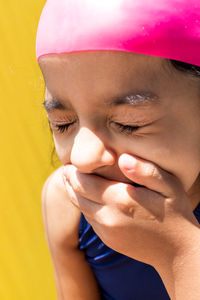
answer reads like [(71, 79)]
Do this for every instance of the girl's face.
[(102, 104)]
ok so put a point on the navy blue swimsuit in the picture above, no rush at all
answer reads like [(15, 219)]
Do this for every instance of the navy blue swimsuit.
[(120, 277)]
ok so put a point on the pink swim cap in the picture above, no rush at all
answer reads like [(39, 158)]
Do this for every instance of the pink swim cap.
[(163, 28)]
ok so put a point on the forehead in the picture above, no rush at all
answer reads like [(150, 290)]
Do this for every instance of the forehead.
[(103, 61), (103, 70), (109, 77)]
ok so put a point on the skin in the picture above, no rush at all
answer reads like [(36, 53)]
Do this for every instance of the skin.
[(164, 153)]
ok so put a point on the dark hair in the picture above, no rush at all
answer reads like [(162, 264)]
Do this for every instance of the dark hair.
[(178, 65), (185, 67)]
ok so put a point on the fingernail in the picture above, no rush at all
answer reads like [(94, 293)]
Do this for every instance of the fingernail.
[(127, 161)]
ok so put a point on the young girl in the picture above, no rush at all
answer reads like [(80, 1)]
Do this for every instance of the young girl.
[(123, 100)]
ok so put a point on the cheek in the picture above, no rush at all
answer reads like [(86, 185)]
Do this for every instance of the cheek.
[(188, 168), (63, 149), (186, 159), (178, 156)]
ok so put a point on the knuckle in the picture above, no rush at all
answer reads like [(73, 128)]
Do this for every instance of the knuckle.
[(125, 200), (126, 206), (108, 219), (109, 223)]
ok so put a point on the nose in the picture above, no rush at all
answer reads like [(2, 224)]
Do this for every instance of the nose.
[(89, 152)]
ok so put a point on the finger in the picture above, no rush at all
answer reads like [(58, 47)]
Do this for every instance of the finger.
[(122, 198), (90, 186), (148, 174), (84, 204), (87, 207), (71, 194), (148, 205), (102, 191), (97, 189)]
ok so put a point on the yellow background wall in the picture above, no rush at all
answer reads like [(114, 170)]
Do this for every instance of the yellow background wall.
[(26, 271)]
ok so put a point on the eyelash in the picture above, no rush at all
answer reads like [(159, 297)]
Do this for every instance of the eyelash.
[(122, 128), (126, 128), (63, 128)]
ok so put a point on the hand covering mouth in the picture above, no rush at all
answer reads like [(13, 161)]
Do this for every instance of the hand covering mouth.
[(120, 178)]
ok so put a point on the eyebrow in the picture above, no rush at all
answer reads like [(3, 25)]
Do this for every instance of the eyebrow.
[(136, 99)]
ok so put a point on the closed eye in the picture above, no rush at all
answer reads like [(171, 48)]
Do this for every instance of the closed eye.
[(64, 127), (126, 128)]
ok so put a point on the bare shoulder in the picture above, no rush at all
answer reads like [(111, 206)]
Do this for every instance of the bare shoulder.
[(74, 278), (61, 218)]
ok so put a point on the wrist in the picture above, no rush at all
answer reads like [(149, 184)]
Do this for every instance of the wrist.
[(185, 242), (180, 267)]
